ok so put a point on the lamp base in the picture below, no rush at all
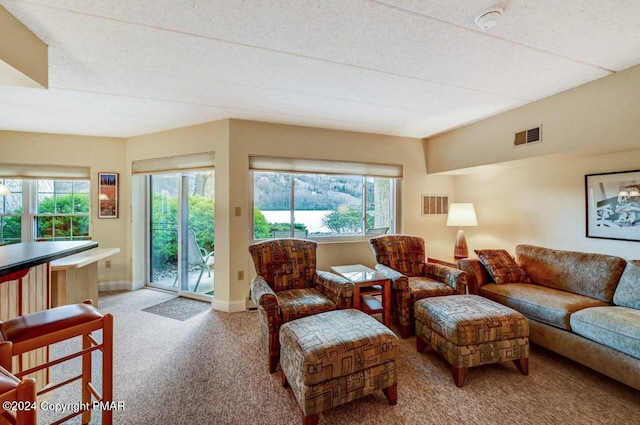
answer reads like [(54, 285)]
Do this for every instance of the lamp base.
[(460, 251)]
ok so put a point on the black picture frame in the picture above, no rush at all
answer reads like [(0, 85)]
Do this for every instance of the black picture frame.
[(613, 205)]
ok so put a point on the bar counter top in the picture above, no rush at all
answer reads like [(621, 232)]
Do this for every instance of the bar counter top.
[(20, 256)]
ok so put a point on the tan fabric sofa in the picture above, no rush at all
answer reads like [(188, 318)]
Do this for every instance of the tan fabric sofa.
[(583, 306)]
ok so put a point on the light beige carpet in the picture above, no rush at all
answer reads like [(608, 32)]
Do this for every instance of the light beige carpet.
[(212, 369)]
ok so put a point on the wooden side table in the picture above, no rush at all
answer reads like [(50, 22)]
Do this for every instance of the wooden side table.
[(367, 284), (451, 262)]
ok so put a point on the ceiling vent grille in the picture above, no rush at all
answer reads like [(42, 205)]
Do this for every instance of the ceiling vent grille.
[(533, 135)]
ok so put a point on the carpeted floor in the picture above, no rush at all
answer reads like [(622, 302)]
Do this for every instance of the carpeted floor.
[(212, 369)]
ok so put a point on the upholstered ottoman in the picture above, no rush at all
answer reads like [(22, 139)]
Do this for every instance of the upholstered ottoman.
[(469, 330), (332, 358)]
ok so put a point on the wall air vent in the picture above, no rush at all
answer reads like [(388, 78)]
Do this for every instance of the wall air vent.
[(435, 204), (533, 135)]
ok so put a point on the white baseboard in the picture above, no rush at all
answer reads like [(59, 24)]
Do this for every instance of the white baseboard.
[(226, 306), (229, 306), (114, 286), (250, 304), (120, 286)]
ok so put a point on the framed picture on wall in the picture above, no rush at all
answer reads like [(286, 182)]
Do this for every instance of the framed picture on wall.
[(613, 205), (108, 195)]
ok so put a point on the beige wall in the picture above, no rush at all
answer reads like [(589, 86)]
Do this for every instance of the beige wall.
[(233, 141), (527, 195), (541, 203), (600, 117), (101, 154), (532, 195), (211, 137), (535, 194), (256, 138)]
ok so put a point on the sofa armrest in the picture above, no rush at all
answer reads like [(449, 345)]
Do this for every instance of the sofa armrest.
[(263, 295), (477, 275), (399, 282), (455, 278), (337, 288)]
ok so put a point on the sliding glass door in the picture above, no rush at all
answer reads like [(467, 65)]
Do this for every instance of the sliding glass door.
[(181, 232)]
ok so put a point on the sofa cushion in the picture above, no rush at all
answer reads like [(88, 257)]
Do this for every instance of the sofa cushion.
[(592, 275), (546, 305), (297, 303), (628, 292), (501, 266), (423, 287), (615, 327)]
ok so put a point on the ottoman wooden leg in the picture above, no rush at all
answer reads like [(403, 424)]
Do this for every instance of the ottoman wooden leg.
[(522, 365), (391, 393), (405, 331), (283, 379), (420, 344), (459, 375), (311, 420), (274, 359)]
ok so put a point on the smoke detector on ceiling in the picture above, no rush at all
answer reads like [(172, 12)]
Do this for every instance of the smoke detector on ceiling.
[(489, 18)]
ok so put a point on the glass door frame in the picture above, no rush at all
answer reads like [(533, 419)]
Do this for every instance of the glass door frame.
[(182, 288)]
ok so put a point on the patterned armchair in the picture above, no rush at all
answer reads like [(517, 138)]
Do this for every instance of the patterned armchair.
[(402, 259), (288, 287)]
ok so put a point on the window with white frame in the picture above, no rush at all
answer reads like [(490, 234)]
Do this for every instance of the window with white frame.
[(63, 212), (11, 211), (45, 210), (323, 199)]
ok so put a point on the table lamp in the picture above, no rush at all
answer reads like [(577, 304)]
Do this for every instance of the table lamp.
[(461, 215)]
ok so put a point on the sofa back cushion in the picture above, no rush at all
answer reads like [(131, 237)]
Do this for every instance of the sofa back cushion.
[(628, 292), (592, 275)]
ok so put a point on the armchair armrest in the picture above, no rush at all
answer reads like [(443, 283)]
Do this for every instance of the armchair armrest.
[(477, 274), (399, 282), (455, 278), (336, 288), (262, 294)]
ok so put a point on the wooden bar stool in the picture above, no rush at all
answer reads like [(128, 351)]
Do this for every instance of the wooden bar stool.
[(48, 327), (21, 394)]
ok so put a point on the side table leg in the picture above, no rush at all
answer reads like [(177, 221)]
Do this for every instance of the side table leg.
[(356, 297), (386, 303)]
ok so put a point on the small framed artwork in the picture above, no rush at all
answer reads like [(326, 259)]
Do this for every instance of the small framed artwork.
[(108, 195), (613, 205)]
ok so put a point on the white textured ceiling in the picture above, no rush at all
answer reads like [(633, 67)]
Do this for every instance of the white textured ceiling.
[(401, 67)]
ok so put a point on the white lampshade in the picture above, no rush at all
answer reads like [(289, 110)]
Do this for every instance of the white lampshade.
[(462, 215), (4, 190)]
